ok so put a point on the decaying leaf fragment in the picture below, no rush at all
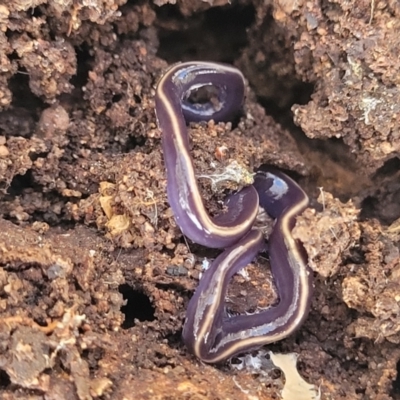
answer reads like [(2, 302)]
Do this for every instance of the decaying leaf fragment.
[(295, 386)]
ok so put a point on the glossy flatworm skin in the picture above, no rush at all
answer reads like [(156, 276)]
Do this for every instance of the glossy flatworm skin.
[(209, 332), (174, 110)]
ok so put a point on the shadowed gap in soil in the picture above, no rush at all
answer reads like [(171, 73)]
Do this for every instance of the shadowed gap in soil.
[(19, 183), (217, 34), (21, 117), (132, 143), (138, 306), (84, 64), (395, 393), (25, 186), (22, 94), (384, 204), (4, 379)]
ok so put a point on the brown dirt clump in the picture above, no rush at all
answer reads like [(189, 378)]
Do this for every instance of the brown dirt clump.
[(95, 276)]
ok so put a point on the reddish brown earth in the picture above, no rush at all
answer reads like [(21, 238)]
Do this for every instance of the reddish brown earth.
[(95, 276)]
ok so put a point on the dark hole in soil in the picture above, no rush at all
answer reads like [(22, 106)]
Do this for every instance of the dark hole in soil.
[(25, 186), (22, 94), (138, 306), (217, 34), (386, 212), (93, 356), (17, 121), (84, 65), (174, 339), (384, 203), (389, 168), (34, 12), (396, 384), (4, 379), (133, 142), (35, 156), (20, 183), (116, 98), (300, 94), (368, 208)]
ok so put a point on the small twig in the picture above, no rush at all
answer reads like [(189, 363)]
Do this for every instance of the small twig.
[(187, 244), (321, 189), (18, 319), (372, 12)]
